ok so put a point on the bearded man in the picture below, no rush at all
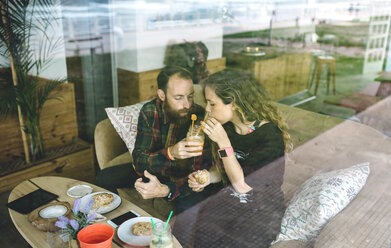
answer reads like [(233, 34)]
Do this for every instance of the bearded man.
[(161, 153), (162, 158)]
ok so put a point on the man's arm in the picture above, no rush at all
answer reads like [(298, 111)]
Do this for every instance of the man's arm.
[(147, 155), (154, 188)]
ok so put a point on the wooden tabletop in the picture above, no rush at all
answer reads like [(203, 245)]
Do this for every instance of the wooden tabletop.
[(59, 186)]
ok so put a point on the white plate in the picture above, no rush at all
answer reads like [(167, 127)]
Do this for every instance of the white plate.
[(101, 210), (126, 235), (79, 191)]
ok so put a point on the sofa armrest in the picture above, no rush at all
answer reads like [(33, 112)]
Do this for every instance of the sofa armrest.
[(108, 144), (124, 158)]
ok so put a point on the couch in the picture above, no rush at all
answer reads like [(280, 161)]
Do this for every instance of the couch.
[(364, 221), (321, 143)]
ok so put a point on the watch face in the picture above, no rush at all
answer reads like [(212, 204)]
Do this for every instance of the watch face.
[(223, 153)]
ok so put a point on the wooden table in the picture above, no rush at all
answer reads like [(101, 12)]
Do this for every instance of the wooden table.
[(59, 186)]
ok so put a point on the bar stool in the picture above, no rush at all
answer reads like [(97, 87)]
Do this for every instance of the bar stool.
[(330, 64)]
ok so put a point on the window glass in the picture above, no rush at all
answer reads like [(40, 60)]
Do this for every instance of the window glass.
[(310, 79)]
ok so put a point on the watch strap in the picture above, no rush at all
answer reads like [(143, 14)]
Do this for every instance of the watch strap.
[(225, 152)]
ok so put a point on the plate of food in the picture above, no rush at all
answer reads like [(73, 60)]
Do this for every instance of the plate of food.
[(136, 231), (104, 202)]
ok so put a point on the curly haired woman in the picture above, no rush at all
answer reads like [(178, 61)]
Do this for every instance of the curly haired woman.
[(249, 136)]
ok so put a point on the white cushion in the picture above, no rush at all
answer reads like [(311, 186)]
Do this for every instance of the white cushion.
[(124, 120), (318, 200)]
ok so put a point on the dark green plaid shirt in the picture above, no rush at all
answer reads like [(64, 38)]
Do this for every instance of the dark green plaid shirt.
[(150, 150)]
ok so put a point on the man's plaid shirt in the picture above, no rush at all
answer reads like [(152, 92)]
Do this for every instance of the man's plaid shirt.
[(150, 150)]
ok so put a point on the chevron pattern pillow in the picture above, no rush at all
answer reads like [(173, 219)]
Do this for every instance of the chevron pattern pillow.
[(318, 200), (125, 120)]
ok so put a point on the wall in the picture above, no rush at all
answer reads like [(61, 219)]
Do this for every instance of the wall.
[(139, 48), (145, 51)]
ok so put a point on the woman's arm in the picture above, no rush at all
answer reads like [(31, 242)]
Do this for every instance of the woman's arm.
[(213, 176), (235, 174), (217, 133)]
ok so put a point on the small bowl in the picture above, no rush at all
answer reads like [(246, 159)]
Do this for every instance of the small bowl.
[(79, 191)]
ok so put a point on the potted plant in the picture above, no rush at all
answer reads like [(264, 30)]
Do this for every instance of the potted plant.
[(23, 25), (81, 218)]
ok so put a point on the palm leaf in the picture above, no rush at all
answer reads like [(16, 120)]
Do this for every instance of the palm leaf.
[(44, 91), (27, 21), (8, 101)]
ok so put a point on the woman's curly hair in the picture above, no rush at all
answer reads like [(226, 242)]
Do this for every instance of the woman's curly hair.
[(249, 97)]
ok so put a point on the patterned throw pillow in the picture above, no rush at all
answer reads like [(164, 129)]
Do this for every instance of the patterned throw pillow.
[(318, 200), (124, 120)]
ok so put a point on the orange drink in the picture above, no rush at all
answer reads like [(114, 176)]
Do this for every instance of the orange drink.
[(195, 134)]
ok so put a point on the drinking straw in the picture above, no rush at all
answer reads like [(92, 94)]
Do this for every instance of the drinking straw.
[(193, 118), (153, 224), (199, 130), (167, 222)]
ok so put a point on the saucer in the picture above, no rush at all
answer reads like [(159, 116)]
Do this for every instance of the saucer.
[(79, 191)]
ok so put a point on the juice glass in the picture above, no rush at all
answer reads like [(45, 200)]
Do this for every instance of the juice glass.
[(195, 134), (160, 238)]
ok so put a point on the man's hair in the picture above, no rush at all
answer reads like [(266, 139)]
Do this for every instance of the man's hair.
[(169, 71)]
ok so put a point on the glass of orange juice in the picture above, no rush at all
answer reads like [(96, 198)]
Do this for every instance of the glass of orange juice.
[(196, 134)]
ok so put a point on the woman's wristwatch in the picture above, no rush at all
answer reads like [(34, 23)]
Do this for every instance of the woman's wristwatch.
[(225, 152)]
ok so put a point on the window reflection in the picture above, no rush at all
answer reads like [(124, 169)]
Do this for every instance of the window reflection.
[(328, 59)]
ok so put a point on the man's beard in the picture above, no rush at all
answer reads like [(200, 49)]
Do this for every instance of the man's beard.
[(174, 115)]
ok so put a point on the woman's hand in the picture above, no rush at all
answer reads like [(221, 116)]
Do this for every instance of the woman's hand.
[(216, 132), (195, 185)]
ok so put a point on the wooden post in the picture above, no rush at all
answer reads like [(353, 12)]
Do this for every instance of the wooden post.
[(271, 28), (15, 82)]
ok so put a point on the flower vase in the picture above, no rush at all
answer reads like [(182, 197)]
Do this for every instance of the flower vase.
[(72, 243)]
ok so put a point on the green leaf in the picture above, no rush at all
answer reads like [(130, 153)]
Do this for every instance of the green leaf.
[(16, 35)]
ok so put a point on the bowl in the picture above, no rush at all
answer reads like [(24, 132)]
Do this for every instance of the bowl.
[(44, 218)]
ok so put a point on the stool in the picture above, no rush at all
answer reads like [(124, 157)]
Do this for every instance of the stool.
[(329, 61)]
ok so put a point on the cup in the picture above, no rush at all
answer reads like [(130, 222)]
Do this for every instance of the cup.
[(96, 236), (160, 238), (195, 134)]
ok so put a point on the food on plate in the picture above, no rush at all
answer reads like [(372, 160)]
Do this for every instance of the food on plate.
[(201, 177), (142, 228), (102, 199)]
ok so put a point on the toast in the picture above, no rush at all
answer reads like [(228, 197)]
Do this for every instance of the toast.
[(142, 228), (102, 199)]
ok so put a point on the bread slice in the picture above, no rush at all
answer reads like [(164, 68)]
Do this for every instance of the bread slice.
[(142, 228), (201, 177), (102, 199)]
